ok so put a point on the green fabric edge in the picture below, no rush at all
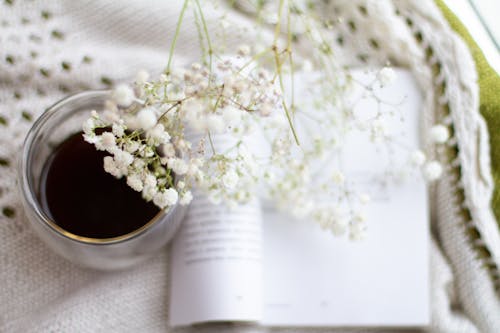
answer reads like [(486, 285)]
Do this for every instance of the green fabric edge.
[(489, 99)]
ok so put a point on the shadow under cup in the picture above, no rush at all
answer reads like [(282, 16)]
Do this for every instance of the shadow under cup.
[(53, 127)]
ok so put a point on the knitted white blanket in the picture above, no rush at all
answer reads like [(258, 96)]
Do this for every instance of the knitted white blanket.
[(51, 48)]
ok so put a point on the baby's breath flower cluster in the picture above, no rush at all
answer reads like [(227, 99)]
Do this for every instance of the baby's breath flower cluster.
[(432, 169), (137, 154), (159, 134), (197, 127)]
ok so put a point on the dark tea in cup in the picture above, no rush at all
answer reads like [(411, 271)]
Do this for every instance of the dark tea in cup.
[(83, 199)]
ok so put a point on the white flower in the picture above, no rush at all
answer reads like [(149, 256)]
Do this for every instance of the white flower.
[(245, 153), (362, 125), (364, 198), (192, 116), (339, 225), (386, 76), (109, 164), (149, 192), (139, 164), (147, 151), (177, 165), (123, 95), (193, 169), (379, 129), (181, 185), (168, 150), (191, 108), (88, 126), (111, 168), (159, 134), (330, 218), (418, 158), (141, 77), (131, 122), (198, 162), (230, 179), (302, 208), (108, 141), (359, 218), (432, 170), (135, 182), (177, 73), (338, 177), (215, 124), (244, 50), (132, 146), (146, 118), (186, 198), (266, 109), (214, 197), (150, 180), (184, 145), (92, 139), (357, 227), (280, 146), (439, 134), (224, 23), (229, 81), (271, 17), (246, 95), (96, 140), (357, 231), (166, 198), (231, 115), (163, 78), (201, 178), (118, 130), (307, 66), (123, 158), (242, 196), (278, 121)]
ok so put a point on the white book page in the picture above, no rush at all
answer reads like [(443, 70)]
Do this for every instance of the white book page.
[(216, 268), (307, 277), (312, 278)]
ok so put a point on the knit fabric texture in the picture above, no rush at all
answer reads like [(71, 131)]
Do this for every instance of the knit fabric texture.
[(49, 49), (489, 99)]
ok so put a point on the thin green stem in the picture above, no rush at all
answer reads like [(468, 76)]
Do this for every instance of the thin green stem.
[(176, 35), (211, 143), (279, 64), (176, 104), (255, 58), (290, 59), (285, 107), (218, 99), (207, 35), (277, 27), (199, 30), (289, 118)]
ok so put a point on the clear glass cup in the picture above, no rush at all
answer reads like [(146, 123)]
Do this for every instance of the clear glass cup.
[(55, 125)]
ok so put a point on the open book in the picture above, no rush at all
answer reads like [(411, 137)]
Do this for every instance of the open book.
[(253, 263)]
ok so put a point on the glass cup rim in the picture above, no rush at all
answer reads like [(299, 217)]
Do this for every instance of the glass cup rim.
[(30, 195)]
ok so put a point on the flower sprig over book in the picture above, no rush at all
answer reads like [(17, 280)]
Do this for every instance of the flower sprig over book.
[(149, 141), (163, 134)]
